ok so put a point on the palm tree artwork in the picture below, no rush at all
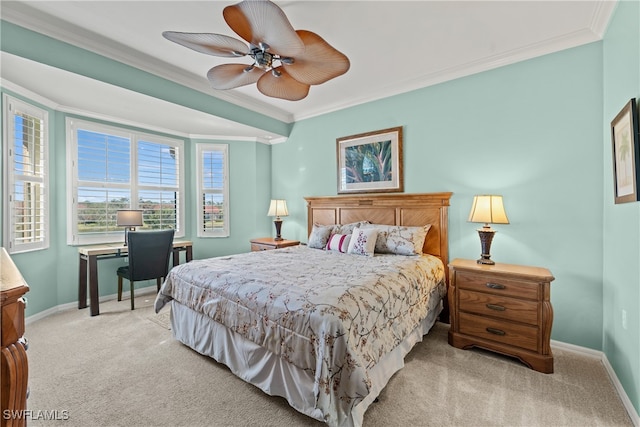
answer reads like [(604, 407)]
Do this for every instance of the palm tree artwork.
[(624, 166), (370, 162)]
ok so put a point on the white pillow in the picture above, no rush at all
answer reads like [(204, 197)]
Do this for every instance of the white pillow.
[(348, 228), (339, 242), (400, 240), (363, 241), (319, 236)]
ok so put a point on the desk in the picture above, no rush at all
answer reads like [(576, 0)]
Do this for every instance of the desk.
[(89, 255)]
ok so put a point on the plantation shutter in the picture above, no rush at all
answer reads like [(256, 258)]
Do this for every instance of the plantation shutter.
[(158, 184), (27, 203), (213, 184), (104, 180)]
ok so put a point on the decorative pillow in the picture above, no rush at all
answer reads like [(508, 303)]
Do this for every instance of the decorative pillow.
[(319, 236), (400, 240), (339, 242), (348, 228), (363, 241)]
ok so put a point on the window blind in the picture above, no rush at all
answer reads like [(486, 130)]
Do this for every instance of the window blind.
[(27, 203)]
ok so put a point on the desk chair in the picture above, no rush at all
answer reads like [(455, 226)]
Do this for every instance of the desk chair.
[(149, 253)]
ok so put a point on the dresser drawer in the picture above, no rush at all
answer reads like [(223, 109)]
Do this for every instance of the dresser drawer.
[(499, 306), (497, 285), (512, 334)]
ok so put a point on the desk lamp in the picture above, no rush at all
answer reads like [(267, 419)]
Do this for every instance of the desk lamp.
[(130, 219), (278, 208), (487, 209)]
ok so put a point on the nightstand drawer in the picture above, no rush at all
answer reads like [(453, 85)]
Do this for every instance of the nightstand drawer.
[(496, 330), (258, 247), (497, 285), (267, 243), (519, 310)]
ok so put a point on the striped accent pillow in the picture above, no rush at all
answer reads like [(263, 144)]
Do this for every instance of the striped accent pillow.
[(339, 242)]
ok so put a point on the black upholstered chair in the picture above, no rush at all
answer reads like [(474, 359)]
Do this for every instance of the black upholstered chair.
[(149, 253)]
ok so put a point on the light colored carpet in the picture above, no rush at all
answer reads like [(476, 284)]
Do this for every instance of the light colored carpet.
[(124, 368)]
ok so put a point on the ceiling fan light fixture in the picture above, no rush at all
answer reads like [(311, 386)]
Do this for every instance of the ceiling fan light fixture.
[(263, 59), (309, 60)]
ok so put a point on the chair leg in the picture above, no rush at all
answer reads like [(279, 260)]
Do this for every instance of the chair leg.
[(159, 283), (119, 288), (131, 282)]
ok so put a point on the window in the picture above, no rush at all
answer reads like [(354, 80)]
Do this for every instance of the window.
[(26, 179), (113, 168), (213, 190)]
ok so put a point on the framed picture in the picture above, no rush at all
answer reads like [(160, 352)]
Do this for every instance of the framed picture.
[(626, 154), (370, 162)]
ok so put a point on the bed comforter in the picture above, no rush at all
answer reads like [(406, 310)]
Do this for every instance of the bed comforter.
[(331, 313)]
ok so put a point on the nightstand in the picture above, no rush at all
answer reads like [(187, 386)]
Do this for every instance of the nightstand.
[(267, 243), (503, 308)]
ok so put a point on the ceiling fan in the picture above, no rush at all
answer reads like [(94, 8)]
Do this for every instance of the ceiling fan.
[(286, 62)]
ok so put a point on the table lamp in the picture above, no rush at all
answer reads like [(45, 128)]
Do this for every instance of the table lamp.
[(278, 208), (487, 209), (130, 219)]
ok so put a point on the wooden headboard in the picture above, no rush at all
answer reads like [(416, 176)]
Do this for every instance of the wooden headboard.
[(391, 209)]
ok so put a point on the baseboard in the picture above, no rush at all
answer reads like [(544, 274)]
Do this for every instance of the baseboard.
[(635, 418), (69, 305), (631, 410)]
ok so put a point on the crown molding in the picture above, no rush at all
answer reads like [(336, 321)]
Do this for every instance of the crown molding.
[(46, 102), (531, 51), (23, 15), (85, 114)]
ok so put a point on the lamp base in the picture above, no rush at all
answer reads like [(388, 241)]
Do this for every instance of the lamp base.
[(126, 234), (486, 236), (278, 224), (485, 260)]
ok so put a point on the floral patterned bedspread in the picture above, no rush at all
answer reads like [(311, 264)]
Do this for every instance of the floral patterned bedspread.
[(331, 313)]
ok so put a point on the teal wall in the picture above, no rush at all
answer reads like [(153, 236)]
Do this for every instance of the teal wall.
[(52, 274), (621, 254), (531, 131)]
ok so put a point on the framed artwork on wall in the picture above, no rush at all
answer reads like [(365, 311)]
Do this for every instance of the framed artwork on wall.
[(626, 154), (370, 162)]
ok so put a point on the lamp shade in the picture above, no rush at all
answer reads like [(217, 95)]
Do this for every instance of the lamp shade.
[(488, 209), (129, 218), (278, 208)]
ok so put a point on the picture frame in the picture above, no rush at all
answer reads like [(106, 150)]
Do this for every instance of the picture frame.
[(626, 154), (370, 162)]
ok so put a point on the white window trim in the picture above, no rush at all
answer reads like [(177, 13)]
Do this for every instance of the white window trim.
[(9, 105), (200, 149), (72, 124)]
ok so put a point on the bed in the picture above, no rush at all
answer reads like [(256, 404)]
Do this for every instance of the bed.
[(322, 328)]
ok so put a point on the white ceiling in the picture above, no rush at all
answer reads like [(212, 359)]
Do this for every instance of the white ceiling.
[(393, 46)]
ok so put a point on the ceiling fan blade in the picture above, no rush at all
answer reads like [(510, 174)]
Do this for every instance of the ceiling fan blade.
[(264, 22), (319, 62), (211, 44), (284, 86), (229, 76)]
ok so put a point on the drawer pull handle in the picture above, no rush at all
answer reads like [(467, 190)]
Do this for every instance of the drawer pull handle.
[(495, 331), (495, 286), (495, 307)]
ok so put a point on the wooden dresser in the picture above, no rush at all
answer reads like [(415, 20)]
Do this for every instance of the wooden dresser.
[(504, 308), (13, 360), (267, 243)]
